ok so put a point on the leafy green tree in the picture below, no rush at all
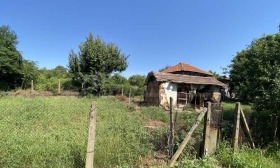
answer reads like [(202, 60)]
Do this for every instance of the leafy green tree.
[(137, 80), (11, 61), (255, 74), (215, 74), (164, 68), (30, 71), (95, 61), (48, 79), (118, 79)]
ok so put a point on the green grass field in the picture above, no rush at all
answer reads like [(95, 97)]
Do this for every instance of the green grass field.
[(52, 132)]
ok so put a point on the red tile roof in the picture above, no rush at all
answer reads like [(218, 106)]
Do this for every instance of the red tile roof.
[(179, 78), (185, 67)]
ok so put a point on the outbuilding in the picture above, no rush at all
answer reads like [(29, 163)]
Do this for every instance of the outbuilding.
[(185, 84)]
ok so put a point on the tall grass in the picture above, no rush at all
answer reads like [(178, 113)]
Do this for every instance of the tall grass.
[(245, 157), (52, 132), (184, 122)]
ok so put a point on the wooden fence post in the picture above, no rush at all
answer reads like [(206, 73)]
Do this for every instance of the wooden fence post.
[(32, 86), (236, 126), (247, 130), (59, 87), (129, 95), (171, 130), (91, 137), (206, 130), (187, 138)]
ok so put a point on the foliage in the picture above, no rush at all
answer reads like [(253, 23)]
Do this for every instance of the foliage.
[(255, 74), (137, 80), (117, 84), (215, 74), (30, 72), (164, 68), (245, 157), (48, 80), (95, 61), (11, 61), (206, 162), (117, 79)]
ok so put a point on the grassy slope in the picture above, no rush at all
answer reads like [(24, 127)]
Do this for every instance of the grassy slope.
[(52, 132)]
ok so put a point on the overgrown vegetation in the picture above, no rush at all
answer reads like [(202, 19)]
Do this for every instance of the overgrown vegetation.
[(255, 77), (263, 156), (52, 132)]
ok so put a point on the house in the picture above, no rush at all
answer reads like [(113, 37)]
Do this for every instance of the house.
[(185, 84), (227, 92)]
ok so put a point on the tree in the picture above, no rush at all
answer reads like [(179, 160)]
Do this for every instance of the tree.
[(118, 79), (215, 74), (48, 79), (255, 74), (11, 61), (164, 68), (137, 80), (95, 61), (29, 72)]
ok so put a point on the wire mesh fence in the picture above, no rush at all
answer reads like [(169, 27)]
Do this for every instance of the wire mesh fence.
[(53, 132), (42, 132)]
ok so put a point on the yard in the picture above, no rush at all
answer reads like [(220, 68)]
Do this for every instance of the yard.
[(52, 132)]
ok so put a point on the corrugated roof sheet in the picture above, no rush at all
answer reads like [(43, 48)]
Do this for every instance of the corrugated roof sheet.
[(185, 67), (179, 78)]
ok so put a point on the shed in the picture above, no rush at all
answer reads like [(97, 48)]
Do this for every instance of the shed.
[(186, 84)]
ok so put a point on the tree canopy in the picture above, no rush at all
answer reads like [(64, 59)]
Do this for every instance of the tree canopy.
[(95, 61), (255, 74), (137, 80), (255, 71), (11, 61)]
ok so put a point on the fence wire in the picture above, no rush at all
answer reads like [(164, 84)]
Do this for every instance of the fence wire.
[(53, 132), (35, 133)]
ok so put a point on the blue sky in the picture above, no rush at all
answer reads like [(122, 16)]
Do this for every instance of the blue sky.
[(206, 34)]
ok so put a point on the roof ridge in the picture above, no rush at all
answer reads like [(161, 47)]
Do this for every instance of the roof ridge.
[(182, 68), (179, 78), (186, 67)]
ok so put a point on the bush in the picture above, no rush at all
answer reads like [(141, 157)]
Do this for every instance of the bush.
[(117, 89)]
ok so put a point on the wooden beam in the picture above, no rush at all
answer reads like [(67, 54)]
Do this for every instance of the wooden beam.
[(187, 138)]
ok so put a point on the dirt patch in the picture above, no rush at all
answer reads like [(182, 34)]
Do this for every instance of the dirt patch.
[(30, 94), (153, 160), (154, 124)]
